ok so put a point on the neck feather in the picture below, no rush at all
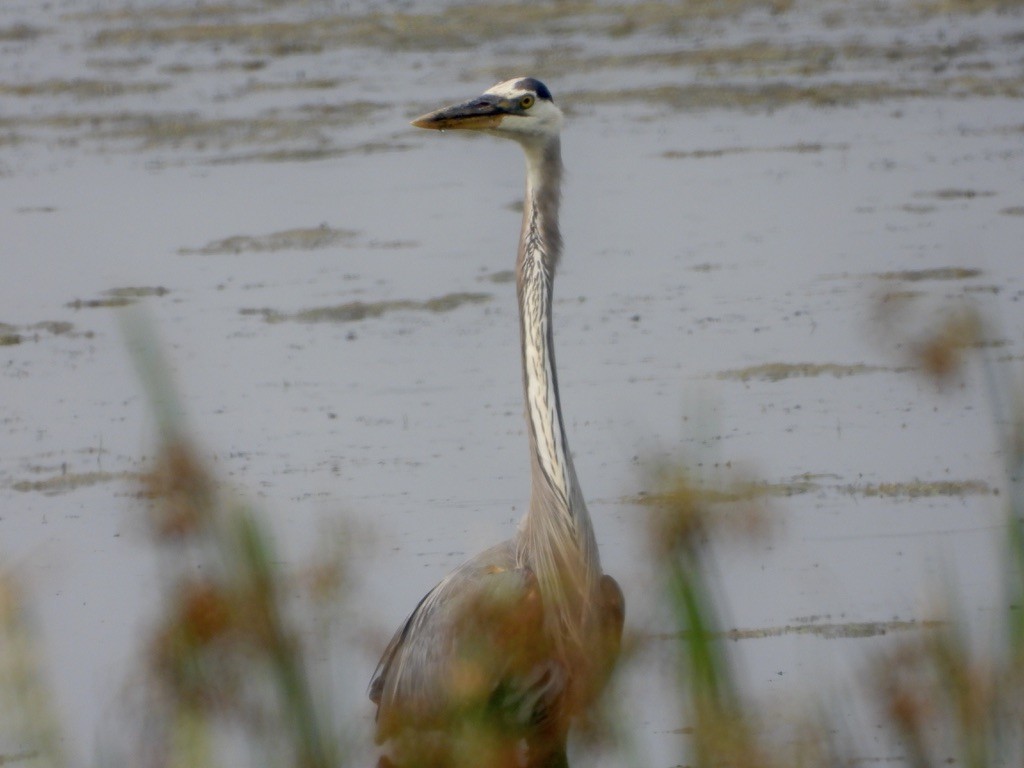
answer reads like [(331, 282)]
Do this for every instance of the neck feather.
[(540, 245), (556, 535)]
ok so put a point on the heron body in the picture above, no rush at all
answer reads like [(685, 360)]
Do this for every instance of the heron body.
[(497, 659)]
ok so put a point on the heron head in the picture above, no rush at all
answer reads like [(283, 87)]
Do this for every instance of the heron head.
[(520, 108)]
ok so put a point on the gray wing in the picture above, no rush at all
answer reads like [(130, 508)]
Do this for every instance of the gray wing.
[(474, 637)]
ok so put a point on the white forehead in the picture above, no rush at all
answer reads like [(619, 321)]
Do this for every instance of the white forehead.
[(508, 89)]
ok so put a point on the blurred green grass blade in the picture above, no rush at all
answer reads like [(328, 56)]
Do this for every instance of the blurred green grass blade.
[(708, 669), (154, 371), (256, 552)]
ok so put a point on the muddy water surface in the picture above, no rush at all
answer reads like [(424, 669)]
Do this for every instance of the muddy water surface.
[(770, 207)]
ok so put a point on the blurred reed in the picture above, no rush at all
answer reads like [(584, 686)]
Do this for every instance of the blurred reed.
[(225, 656)]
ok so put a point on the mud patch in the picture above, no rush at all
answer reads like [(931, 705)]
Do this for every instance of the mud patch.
[(906, 489), (122, 62), (309, 154), (81, 88), (955, 194), (137, 292), (779, 94), (69, 481), (451, 27), (834, 631), (908, 208), (824, 629), (109, 302), (309, 127), (299, 239), (20, 33), (391, 245), (54, 327), (354, 311), (767, 59), (780, 371), (916, 489), (724, 95), (746, 491), (11, 335), (734, 492), (501, 277), (297, 84), (118, 297), (760, 73), (938, 273), (930, 7), (800, 149)]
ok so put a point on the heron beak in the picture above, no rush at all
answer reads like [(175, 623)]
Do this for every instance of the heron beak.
[(479, 113)]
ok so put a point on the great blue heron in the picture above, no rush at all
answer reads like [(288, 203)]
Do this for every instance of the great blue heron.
[(521, 638)]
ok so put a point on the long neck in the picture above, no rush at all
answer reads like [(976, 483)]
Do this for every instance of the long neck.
[(556, 535)]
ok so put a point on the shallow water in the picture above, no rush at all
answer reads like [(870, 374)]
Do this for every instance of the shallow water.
[(746, 186)]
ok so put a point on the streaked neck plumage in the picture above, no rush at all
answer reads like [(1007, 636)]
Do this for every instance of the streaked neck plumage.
[(556, 539)]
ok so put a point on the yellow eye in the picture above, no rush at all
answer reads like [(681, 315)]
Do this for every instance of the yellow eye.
[(526, 102)]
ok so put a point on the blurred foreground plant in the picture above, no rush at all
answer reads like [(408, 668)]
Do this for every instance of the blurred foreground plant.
[(224, 652), (945, 700), (686, 515), (948, 701), (28, 724), (225, 658)]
